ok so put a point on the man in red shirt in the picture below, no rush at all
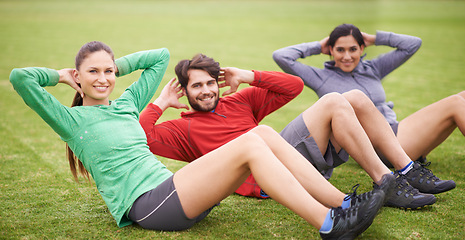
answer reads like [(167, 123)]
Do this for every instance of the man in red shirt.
[(215, 121)]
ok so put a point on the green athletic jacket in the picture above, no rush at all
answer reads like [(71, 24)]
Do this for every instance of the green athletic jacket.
[(107, 139)]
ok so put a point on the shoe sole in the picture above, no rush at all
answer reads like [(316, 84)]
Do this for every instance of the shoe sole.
[(387, 204), (408, 208), (436, 191)]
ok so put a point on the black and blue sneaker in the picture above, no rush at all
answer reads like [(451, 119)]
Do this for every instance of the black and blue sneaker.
[(388, 182), (350, 222), (406, 196), (425, 181)]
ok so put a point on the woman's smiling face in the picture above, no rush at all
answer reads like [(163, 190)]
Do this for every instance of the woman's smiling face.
[(97, 77), (346, 53)]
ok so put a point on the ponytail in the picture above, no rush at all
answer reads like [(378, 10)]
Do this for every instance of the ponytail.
[(75, 165)]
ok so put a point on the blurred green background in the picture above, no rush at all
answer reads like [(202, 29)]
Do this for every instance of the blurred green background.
[(38, 198)]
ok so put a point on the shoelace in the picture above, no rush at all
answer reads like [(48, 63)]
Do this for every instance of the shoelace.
[(427, 172), (405, 186), (356, 198), (339, 213)]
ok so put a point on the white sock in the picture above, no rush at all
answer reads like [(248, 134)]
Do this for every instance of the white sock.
[(406, 168)]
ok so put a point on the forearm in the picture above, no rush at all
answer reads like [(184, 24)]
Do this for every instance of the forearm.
[(29, 83), (284, 84), (405, 46), (164, 139), (154, 64), (272, 91), (149, 116), (142, 60), (287, 57), (407, 43)]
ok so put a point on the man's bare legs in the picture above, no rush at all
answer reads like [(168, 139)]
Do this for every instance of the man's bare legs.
[(211, 178), (219, 173)]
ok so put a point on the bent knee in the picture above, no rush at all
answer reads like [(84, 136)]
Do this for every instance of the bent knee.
[(264, 131), (358, 99), (251, 143), (456, 101), (333, 101), (262, 128), (461, 95)]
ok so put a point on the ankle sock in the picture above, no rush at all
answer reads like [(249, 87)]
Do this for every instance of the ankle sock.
[(346, 202), (407, 168), (327, 224)]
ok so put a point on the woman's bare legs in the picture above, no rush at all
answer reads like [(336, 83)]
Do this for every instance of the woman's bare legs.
[(425, 129), (420, 133), (377, 129), (332, 117), (214, 176)]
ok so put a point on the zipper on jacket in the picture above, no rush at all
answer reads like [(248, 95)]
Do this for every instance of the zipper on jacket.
[(219, 114), (356, 81)]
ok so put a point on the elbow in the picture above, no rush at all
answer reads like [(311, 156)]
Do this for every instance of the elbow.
[(147, 128), (278, 56), (166, 52), (282, 60), (301, 85), (145, 124), (16, 75), (419, 42)]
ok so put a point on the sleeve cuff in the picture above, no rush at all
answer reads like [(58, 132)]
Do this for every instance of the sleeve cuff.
[(382, 38), (54, 78), (123, 66), (155, 108)]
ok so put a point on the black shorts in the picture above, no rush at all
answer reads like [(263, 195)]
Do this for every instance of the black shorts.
[(160, 209)]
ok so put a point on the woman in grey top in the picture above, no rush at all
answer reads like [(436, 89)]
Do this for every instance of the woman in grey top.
[(420, 132)]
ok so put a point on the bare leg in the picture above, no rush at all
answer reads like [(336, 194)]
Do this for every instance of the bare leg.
[(425, 129), (377, 129), (216, 175), (333, 118)]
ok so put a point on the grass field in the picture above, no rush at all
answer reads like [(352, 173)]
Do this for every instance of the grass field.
[(39, 199)]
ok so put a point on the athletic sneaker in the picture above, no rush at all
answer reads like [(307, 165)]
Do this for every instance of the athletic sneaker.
[(388, 183), (425, 181), (406, 196), (387, 186), (351, 222)]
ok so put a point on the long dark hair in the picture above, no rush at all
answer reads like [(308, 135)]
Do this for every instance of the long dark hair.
[(75, 164)]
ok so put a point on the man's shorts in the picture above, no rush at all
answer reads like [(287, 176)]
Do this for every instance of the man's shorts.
[(160, 209), (296, 133)]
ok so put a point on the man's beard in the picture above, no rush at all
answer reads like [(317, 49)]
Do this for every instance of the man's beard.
[(201, 108)]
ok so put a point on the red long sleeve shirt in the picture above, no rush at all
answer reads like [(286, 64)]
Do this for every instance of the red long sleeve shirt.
[(197, 133)]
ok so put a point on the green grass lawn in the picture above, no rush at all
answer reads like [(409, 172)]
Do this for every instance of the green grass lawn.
[(39, 199)]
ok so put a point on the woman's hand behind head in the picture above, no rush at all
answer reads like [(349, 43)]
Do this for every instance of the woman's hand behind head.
[(67, 77), (325, 46)]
